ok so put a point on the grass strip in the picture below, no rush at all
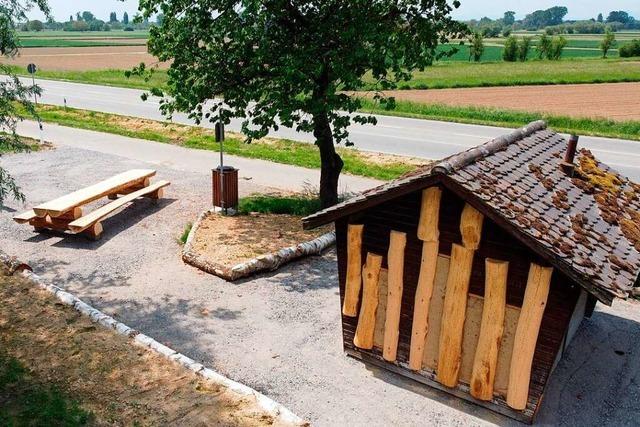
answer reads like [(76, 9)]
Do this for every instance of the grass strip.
[(291, 205), (508, 118), (274, 150)]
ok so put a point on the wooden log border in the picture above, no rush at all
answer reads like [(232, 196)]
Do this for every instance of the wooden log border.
[(267, 262)]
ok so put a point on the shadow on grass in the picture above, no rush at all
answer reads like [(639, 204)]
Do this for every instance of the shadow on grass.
[(26, 401)]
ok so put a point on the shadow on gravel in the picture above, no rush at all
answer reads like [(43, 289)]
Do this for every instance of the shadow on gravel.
[(307, 274), (113, 225)]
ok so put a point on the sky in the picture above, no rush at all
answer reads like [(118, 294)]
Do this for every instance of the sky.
[(470, 9)]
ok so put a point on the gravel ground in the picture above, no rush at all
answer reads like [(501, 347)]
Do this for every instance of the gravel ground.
[(280, 332)]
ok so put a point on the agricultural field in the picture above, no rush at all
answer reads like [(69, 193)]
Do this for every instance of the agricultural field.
[(83, 34)]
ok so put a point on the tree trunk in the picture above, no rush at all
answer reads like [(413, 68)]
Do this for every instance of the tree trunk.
[(331, 163)]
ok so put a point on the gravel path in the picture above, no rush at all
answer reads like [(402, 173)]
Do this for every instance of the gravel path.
[(279, 332)]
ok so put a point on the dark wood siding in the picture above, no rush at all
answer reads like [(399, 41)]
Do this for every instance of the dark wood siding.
[(402, 214)]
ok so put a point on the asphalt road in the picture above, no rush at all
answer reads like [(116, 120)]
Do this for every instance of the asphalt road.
[(411, 137)]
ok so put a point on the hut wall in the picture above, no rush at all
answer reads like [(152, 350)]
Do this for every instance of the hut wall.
[(402, 214)]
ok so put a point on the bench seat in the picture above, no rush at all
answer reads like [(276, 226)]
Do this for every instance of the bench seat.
[(85, 222)]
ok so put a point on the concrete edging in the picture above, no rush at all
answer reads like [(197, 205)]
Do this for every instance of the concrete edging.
[(267, 262), (275, 409)]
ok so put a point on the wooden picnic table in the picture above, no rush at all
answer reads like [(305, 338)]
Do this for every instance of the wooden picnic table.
[(66, 213)]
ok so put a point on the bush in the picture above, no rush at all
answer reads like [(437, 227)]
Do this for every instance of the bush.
[(510, 52), (476, 47), (506, 32), (630, 49), (607, 42), (523, 48), (557, 46), (544, 46), (128, 28)]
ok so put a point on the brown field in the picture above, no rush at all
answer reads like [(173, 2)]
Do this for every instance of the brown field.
[(615, 101), (83, 58)]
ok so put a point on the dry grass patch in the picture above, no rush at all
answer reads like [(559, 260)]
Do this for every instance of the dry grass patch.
[(231, 240), (114, 381)]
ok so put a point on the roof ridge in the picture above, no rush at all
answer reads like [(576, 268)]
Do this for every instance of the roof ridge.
[(460, 160)]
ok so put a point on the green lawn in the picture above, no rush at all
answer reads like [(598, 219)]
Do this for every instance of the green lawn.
[(508, 118)]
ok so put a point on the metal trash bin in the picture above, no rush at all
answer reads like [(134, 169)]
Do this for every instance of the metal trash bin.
[(225, 187)]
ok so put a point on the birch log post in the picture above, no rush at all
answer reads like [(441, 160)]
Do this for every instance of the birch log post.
[(533, 305), (485, 361), (428, 232), (354, 270), (453, 315), (395, 261), (367, 321)]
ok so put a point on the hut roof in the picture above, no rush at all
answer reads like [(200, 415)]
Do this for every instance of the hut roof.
[(587, 224)]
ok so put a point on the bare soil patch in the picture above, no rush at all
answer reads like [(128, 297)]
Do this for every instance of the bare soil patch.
[(231, 240), (83, 58), (119, 383), (615, 101)]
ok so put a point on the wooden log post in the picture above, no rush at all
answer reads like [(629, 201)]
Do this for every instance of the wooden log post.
[(428, 232), (471, 227), (367, 321), (491, 329), (354, 270), (453, 315), (533, 305), (456, 294), (395, 284)]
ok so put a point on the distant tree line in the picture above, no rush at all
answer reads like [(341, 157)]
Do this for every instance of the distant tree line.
[(552, 21), (87, 21)]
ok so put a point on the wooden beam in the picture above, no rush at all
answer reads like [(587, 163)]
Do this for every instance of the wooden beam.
[(485, 361), (534, 303), (471, 227), (366, 322), (354, 270), (429, 215), (395, 284), (424, 292), (453, 315)]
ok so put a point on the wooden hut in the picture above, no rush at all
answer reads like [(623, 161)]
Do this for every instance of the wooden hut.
[(472, 275)]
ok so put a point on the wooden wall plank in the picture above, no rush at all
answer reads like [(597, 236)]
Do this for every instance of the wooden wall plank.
[(395, 262), (535, 300), (453, 315), (424, 292), (366, 322), (354, 270), (491, 329), (429, 214)]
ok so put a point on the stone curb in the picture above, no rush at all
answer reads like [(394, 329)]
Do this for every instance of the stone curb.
[(266, 262), (279, 412)]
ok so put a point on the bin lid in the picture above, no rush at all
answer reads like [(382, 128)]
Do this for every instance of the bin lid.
[(225, 168)]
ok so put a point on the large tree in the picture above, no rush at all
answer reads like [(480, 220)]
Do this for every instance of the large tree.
[(293, 63), (12, 92)]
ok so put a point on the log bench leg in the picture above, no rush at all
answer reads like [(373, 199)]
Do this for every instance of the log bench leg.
[(145, 183), (94, 232)]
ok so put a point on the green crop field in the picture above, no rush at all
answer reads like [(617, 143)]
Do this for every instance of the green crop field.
[(83, 34), (55, 42), (494, 53)]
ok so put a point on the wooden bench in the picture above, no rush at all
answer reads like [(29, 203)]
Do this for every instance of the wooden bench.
[(65, 213)]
